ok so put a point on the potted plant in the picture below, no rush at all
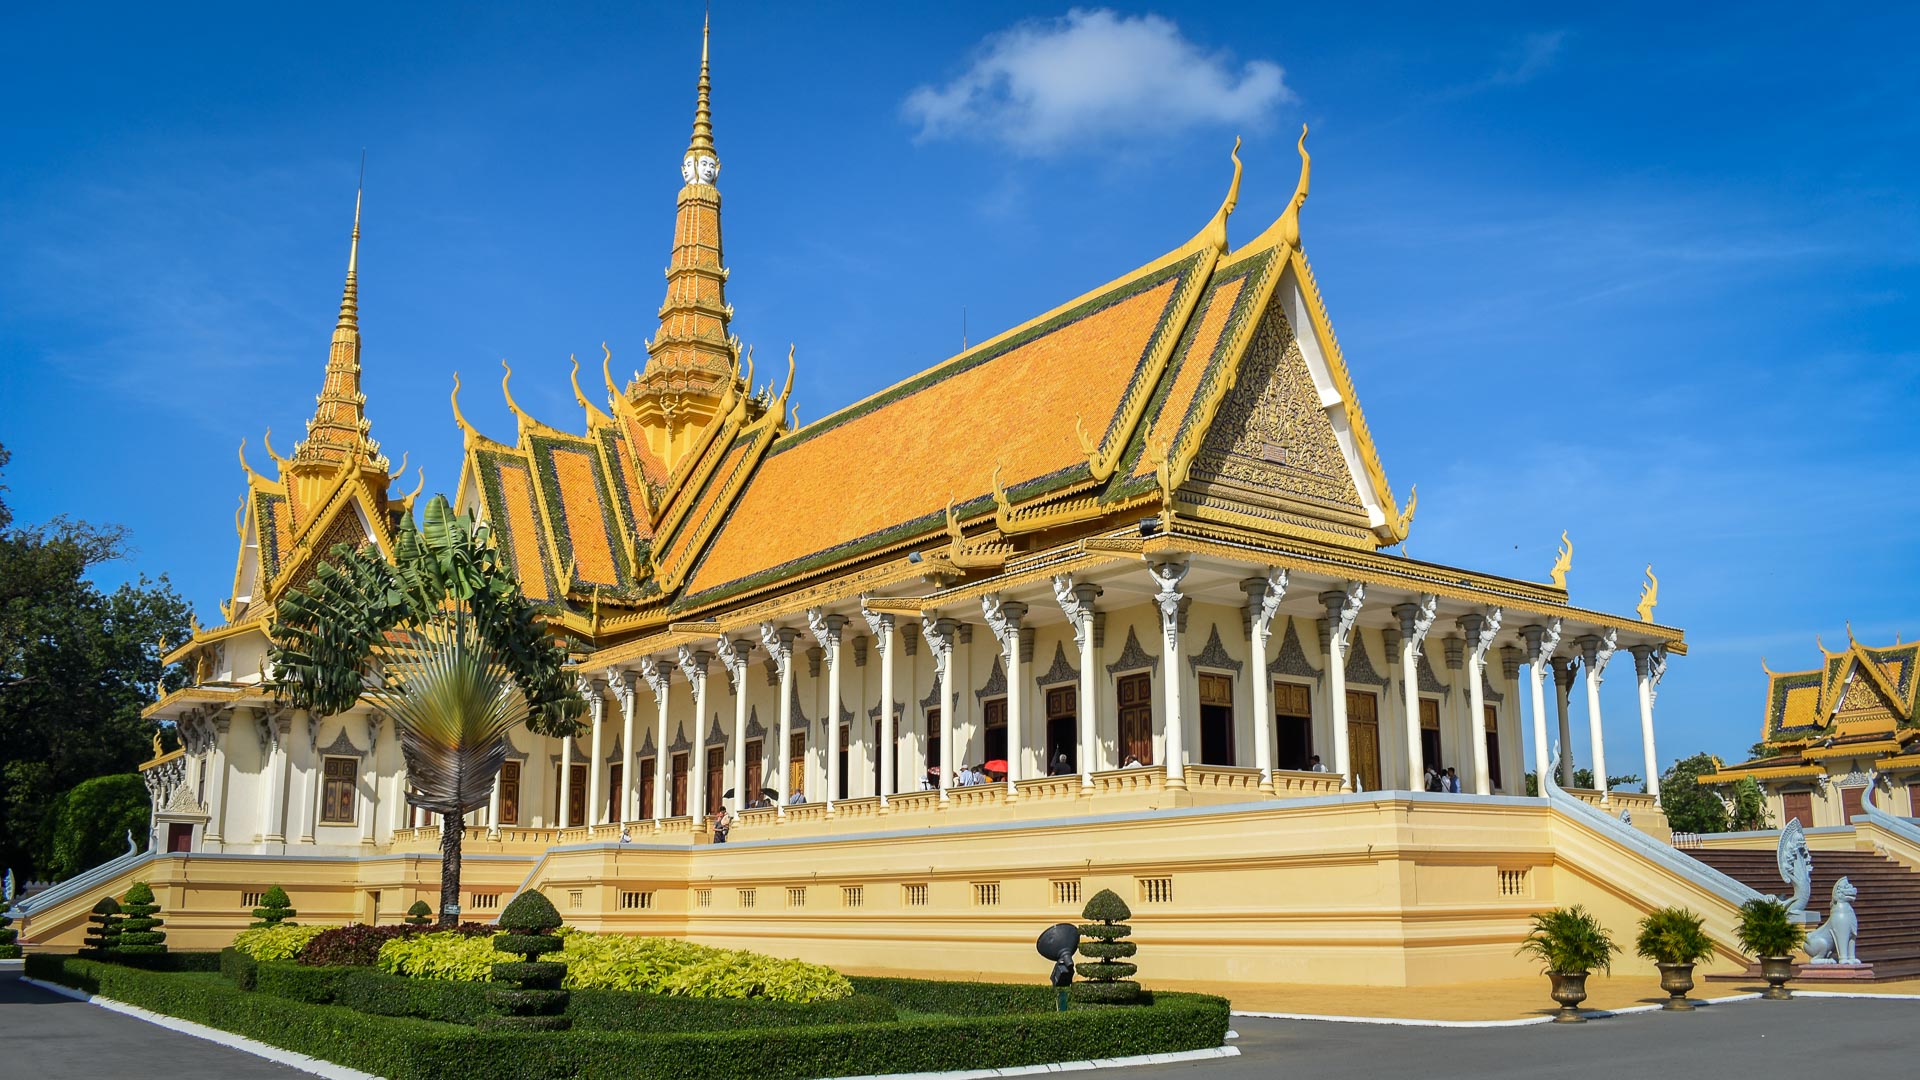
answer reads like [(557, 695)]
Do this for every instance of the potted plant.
[(1571, 943), (1766, 931), (1673, 939)]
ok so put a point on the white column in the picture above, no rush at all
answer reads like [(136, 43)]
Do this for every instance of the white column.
[(1541, 642), (1563, 702), (627, 694), (1415, 621), (1595, 652), (733, 656), (881, 623), (1480, 631), (1343, 608), (370, 807), (1076, 600), (216, 795), (276, 726), (1166, 579), (566, 782), (309, 805), (1263, 603), (779, 643), (693, 664), (1649, 664), (596, 748), (493, 809), (826, 631), (1003, 618), (939, 634), (659, 676)]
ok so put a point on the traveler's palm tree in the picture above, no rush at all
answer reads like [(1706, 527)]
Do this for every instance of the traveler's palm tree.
[(442, 640)]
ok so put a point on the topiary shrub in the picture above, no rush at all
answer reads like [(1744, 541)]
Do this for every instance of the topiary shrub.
[(274, 909), (8, 950), (137, 934), (419, 914), (539, 1004), (1109, 979), (104, 935)]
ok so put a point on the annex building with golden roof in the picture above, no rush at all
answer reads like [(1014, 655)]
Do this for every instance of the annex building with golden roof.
[(1831, 732), (1134, 620)]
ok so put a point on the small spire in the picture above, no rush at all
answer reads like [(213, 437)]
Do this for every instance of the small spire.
[(350, 297), (703, 110)]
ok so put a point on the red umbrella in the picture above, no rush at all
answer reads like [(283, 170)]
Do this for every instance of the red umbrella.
[(935, 769), (998, 765)]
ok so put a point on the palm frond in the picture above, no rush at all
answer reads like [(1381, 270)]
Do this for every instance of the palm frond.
[(452, 704)]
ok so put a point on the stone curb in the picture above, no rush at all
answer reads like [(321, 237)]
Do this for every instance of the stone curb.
[(340, 1072), (1525, 1021)]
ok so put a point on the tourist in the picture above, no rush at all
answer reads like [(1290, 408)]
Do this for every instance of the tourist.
[(722, 824), (799, 797), (1314, 765), (1432, 780), (1453, 780), (1060, 766), (927, 782), (1133, 762)]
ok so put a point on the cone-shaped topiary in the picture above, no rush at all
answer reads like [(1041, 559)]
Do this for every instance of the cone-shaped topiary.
[(539, 1003), (1109, 980), (104, 935), (274, 909), (137, 934), (419, 914)]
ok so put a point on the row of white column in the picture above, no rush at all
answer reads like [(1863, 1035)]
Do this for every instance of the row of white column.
[(1593, 652)]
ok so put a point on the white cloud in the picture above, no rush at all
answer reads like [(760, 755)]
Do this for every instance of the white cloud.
[(1093, 74)]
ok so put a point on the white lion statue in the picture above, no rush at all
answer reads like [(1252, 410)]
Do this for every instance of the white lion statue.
[(1833, 942)]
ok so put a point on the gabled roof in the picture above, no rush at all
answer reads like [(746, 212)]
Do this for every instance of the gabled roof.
[(1855, 680)]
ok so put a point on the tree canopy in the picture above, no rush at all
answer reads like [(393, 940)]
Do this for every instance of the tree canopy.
[(77, 664)]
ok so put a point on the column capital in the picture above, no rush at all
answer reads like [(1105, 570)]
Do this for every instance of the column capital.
[(1416, 619), (1542, 640), (659, 676), (733, 656), (1167, 576), (1597, 649), (1563, 670), (1343, 609), (1003, 618), (1076, 600), (1480, 630), (939, 633), (880, 622), (825, 628), (778, 641), (621, 684), (693, 664)]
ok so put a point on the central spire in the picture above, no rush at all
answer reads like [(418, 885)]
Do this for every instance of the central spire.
[(692, 359), (339, 427)]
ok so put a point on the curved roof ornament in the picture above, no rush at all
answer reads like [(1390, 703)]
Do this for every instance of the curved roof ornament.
[(1406, 516), (401, 471), (459, 417), (251, 475), (417, 489), (593, 411), (1289, 223), (506, 390), (788, 389), (1216, 230), (267, 441)]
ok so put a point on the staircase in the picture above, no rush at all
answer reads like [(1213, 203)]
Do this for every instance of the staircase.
[(1887, 909)]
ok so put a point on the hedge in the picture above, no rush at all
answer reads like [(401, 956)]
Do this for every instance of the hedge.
[(958, 998), (407, 1049), (377, 993)]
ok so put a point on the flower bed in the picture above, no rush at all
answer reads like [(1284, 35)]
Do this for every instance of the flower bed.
[(402, 1048)]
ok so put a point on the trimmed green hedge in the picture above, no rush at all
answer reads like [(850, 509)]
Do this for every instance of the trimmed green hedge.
[(958, 998), (238, 968), (406, 1049)]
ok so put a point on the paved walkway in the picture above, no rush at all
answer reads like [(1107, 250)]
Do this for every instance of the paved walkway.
[(49, 1037)]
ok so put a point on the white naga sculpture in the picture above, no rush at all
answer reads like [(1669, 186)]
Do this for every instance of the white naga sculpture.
[(1796, 869), (1833, 942)]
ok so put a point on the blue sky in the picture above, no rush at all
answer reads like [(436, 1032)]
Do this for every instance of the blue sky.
[(1646, 274)]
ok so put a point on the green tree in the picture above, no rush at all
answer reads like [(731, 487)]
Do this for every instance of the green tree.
[(138, 933), (1110, 976), (77, 664), (89, 824), (1690, 807), (464, 657), (1749, 806), (275, 908)]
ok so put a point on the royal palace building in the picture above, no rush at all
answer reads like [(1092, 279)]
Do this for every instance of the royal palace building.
[(1143, 587)]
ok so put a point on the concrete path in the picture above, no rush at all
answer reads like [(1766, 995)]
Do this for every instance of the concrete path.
[(44, 1036), (1807, 1037)]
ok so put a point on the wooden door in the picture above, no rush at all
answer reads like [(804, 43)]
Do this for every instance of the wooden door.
[(1063, 736), (1216, 719), (1798, 807), (678, 807), (1492, 725), (932, 744), (1293, 716), (756, 775), (179, 836), (1136, 718), (1363, 738), (1430, 735), (615, 774), (996, 726), (577, 797), (797, 763), (844, 750), (509, 793), (716, 778), (1850, 804), (647, 766)]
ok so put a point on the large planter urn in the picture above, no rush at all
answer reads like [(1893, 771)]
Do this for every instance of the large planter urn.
[(1676, 980), (1776, 970), (1569, 991)]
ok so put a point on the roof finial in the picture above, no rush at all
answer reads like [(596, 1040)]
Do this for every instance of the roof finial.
[(701, 165), (1290, 220), (350, 296)]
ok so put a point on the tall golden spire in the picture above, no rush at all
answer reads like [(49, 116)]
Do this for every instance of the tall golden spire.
[(338, 429), (692, 359)]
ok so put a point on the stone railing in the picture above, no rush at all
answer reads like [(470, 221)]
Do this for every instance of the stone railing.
[(1615, 801), (1048, 788), (913, 802), (1224, 778), (1293, 784), (1141, 778)]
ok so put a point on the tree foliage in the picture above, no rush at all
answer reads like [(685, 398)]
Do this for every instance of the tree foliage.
[(77, 664), (1690, 807), (89, 824)]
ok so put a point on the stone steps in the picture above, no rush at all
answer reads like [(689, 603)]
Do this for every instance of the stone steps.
[(1887, 910)]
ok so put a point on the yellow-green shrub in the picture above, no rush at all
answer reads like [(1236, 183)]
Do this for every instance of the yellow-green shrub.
[(282, 942), (445, 955), (619, 962)]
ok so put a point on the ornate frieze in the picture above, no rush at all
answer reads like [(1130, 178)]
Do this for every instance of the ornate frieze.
[(1214, 655), (1292, 657), (1133, 657), (995, 686), (1060, 672), (1360, 669), (342, 746), (755, 729)]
